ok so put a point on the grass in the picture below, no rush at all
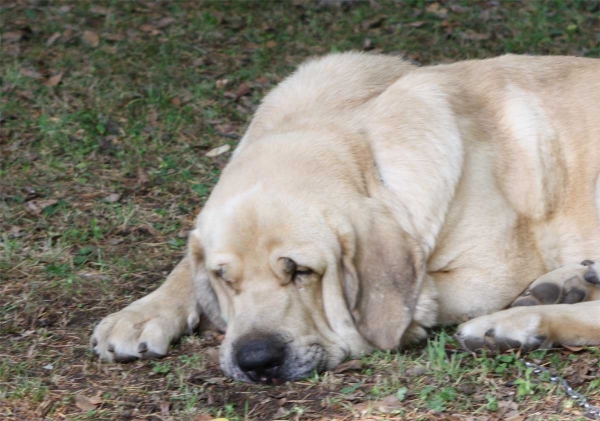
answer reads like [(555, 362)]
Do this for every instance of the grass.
[(103, 171)]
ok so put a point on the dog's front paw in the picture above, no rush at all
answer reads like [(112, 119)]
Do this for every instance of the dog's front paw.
[(143, 330), (508, 329)]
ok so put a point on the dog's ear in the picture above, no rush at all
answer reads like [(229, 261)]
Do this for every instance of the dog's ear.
[(205, 294), (382, 275)]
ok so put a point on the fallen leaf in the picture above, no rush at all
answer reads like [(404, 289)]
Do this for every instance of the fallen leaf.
[(218, 151), (100, 10), (16, 232), (90, 38), (573, 348), (388, 404), (54, 80), (164, 408), (112, 198), (31, 73), (373, 23), (351, 365), (198, 62), (87, 404), (153, 117), (12, 36), (458, 8), (67, 34), (415, 371), (271, 44), (433, 7), (213, 354), (164, 22), (202, 417), (37, 206), (221, 83), (53, 38), (142, 176), (244, 89), (471, 35), (113, 37), (416, 24), (176, 101), (147, 28)]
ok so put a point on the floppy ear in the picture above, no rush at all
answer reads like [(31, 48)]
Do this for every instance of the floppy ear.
[(383, 271), (205, 294)]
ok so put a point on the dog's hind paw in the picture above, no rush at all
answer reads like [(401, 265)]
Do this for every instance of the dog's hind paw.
[(569, 284), (508, 329)]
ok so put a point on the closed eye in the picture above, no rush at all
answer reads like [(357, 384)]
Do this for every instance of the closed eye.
[(299, 273)]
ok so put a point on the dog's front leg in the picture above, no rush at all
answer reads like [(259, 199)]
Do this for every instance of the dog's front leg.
[(146, 328)]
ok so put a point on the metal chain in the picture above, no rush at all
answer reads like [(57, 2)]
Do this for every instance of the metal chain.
[(581, 400)]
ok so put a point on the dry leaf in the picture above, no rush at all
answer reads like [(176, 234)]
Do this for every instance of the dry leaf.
[(147, 28), (416, 24), (176, 101), (573, 348), (164, 408), (164, 22), (153, 117), (198, 62), (221, 83), (31, 73), (388, 404), (87, 404), (244, 89), (113, 37), (373, 23), (415, 371), (54, 80), (16, 232), (142, 176), (213, 354), (36, 207), (458, 9), (13, 36), (90, 38), (471, 35), (218, 151), (112, 198), (351, 365), (53, 38), (271, 44), (433, 7), (100, 10), (203, 417)]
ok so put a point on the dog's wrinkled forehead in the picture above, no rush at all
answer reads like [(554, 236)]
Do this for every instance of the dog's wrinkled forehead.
[(257, 221)]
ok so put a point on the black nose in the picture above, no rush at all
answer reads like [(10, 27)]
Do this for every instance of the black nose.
[(260, 357)]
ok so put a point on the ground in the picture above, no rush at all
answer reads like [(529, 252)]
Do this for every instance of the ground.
[(108, 112)]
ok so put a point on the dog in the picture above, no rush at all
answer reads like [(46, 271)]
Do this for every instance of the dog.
[(371, 199)]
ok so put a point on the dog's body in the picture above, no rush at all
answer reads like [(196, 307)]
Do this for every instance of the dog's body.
[(370, 199)]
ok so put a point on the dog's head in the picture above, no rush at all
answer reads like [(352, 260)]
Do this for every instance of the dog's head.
[(298, 264)]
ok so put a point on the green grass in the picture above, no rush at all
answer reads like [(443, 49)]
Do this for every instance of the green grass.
[(134, 116)]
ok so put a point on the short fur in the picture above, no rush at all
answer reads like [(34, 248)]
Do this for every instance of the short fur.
[(415, 196)]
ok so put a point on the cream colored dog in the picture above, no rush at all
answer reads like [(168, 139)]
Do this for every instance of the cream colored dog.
[(371, 199)]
